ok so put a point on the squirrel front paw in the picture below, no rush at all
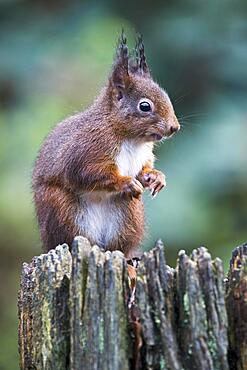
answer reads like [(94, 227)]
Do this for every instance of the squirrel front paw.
[(132, 189), (154, 180)]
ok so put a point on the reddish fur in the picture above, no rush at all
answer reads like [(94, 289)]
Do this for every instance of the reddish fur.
[(79, 156)]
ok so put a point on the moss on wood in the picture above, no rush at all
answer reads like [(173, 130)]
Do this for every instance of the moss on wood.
[(74, 311)]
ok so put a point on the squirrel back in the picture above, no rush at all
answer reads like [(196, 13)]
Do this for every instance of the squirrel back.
[(93, 167)]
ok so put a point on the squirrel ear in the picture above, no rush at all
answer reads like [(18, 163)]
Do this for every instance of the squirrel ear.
[(119, 80), (120, 74), (139, 65)]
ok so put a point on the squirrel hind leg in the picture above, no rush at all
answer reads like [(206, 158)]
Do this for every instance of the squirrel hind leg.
[(53, 233), (55, 208)]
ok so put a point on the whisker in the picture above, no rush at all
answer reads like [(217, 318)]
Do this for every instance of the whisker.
[(179, 99), (192, 115), (187, 123)]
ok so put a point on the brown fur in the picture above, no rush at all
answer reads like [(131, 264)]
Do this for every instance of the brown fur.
[(78, 156)]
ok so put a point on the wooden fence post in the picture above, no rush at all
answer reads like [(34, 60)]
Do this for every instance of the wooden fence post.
[(74, 311)]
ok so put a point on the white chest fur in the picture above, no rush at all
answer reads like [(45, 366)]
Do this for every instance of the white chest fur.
[(99, 219), (133, 156)]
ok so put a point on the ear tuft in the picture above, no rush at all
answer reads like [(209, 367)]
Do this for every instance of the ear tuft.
[(142, 58), (139, 65), (120, 78), (122, 56), (120, 73)]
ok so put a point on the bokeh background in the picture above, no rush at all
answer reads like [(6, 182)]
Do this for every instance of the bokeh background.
[(54, 57)]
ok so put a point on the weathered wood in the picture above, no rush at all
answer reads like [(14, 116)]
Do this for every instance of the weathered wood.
[(202, 320), (155, 299), (75, 311), (98, 299), (182, 311), (236, 303), (43, 311)]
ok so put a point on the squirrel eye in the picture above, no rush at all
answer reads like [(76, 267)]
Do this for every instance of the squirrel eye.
[(145, 105)]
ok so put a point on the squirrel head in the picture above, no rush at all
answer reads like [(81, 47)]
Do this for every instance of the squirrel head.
[(140, 107)]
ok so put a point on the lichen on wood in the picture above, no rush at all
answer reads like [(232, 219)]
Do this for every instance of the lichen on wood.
[(182, 311), (155, 300), (236, 303), (75, 311), (202, 320), (98, 299), (43, 311)]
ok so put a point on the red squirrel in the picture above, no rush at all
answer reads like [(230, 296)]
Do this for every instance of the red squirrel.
[(94, 166)]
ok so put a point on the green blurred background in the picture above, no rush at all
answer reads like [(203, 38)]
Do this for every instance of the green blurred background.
[(54, 57)]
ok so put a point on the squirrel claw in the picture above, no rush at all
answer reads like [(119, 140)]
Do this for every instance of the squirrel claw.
[(154, 181), (156, 189), (133, 189), (154, 193)]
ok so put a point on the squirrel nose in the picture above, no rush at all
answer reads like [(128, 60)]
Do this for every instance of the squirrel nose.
[(174, 128), (174, 125)]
